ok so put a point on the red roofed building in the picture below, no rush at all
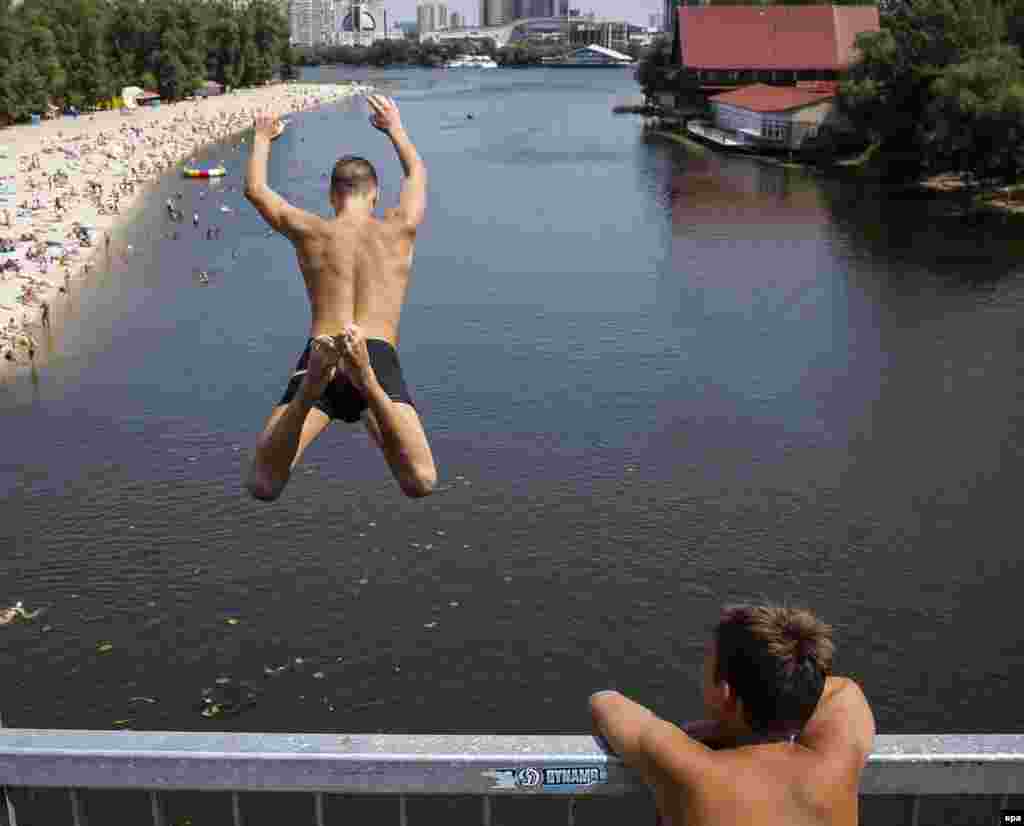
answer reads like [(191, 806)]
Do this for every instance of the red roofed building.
[(728, 46), (761, 116), (768, 73)]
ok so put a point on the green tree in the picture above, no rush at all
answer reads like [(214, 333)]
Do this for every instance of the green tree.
[(656, 70), (977, 115), (890, 91), (1015, 22)]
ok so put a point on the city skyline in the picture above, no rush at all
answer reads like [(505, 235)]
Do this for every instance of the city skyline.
[(637, 13)]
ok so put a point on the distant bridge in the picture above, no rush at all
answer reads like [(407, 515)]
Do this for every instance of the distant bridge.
[(501, 35)]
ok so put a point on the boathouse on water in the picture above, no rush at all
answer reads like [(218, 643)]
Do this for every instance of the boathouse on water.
[(777, 117), (768, 74)]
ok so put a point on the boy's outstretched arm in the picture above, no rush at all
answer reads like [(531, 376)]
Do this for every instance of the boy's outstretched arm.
[(413, 202), (276, 211)]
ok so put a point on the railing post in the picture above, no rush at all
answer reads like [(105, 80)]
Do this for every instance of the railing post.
[(915, 810), (12, 817), (77, 815), (318, 803), (487, 811), (156, 804), (403, 814), (572, 812), (236, 809)]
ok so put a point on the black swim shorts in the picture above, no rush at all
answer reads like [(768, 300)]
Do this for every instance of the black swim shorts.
[(340, 399)]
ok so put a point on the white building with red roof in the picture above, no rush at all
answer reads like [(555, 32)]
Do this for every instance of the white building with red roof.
[(769, 73), (782, 117)]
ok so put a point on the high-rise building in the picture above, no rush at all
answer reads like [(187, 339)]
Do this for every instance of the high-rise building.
[(671, 7), (432, 16), (426, 17), (304, 20), (546, 8), (492, 12), (656, 21), (350, 22), (456, 20)]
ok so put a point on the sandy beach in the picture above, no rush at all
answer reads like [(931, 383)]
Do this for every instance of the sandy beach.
[(76, 177)]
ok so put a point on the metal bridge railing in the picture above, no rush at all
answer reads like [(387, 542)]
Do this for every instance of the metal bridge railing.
[(489, 768)]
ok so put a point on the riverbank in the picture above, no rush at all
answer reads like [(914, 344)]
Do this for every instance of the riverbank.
[(869, 164), (1004, 199), (76, 179)]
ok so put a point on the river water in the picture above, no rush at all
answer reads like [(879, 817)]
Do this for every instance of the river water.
[(656, 380)]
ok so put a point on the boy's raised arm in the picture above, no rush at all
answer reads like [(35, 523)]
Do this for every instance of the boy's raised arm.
[(413, 202)]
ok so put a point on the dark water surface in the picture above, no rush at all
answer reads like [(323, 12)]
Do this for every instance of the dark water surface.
[(655, 379)]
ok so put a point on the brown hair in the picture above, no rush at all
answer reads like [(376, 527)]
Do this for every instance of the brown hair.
[(776, 659), (353, 176)]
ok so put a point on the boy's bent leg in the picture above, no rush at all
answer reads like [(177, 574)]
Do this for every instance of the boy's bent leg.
[(395, 426), (406, 450), (293, 426), (271, 468)]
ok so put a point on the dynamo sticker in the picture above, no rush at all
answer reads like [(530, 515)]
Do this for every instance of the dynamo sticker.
[(530, 778)]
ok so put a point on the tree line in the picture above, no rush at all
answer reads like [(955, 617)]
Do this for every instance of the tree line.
[(388, 53), (81, 53), (433, 54), (941, 87)]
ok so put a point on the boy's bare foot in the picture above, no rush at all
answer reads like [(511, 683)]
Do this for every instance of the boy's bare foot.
[(323, 361), (356, 357)]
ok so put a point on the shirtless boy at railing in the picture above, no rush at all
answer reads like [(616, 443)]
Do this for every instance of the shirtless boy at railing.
[(786, 743)]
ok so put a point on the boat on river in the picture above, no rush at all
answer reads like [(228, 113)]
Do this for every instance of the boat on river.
[(208, 172), (470, 61)]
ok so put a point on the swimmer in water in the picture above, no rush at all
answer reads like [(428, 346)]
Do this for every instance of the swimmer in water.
[(349, 369)]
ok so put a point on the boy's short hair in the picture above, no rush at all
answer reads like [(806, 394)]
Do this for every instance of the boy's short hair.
[(353, 176), (776, 659)]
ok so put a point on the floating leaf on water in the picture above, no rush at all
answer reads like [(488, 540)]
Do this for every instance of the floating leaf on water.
[(211, 710), (299, 661), (47, 628), (319, 675), (105, 647), (222, 680), (430, 625), (231, 621), (270, 671), (453, 604), (9, 615), (149, 700), (122, 722)]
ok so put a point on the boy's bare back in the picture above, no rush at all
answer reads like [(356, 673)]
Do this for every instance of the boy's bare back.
[(356, 271), (356, 266)]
